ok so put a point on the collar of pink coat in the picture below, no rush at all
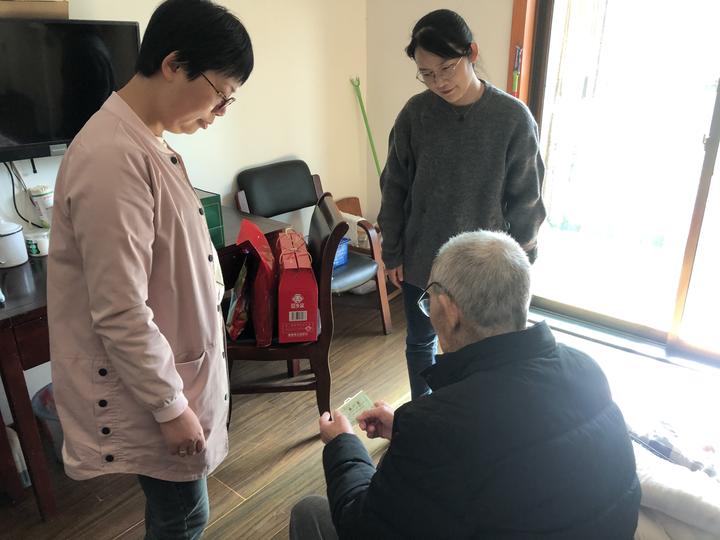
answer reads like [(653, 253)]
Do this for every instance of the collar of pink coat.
[(117, 106)]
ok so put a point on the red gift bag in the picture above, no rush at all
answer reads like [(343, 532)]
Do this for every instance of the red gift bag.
[(239, 310), (263, 284)]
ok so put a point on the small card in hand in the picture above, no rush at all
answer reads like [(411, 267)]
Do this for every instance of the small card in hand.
[(353, 406)]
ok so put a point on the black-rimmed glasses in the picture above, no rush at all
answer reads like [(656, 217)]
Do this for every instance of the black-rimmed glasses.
[(224, 100)]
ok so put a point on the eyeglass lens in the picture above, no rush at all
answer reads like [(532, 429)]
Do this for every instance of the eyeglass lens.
[(424, 303)]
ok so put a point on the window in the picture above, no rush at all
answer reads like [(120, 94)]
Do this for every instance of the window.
[(629, 95)]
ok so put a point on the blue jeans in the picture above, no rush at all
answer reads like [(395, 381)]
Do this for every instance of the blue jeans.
[(175, 510), (421, 341)]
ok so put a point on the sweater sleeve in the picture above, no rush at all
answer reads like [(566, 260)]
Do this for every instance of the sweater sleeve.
[(522, 199), (113, 223), (395, 182)]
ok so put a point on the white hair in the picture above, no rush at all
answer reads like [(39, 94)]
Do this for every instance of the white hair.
[(487, 274)]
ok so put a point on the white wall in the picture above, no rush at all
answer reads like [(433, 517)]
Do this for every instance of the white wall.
[(391, 74)]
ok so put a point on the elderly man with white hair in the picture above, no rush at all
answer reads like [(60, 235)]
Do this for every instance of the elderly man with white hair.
[(520, 437)]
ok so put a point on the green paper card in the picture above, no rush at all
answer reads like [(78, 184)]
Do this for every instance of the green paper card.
[(355, 405)]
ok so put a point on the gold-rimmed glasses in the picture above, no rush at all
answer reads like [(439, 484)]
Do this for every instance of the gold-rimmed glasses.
[(445, 73)]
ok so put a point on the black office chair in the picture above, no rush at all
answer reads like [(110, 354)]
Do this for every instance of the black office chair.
[(271, 190)]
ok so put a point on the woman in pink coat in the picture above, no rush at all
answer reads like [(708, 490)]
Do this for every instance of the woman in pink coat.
[(136, 332)]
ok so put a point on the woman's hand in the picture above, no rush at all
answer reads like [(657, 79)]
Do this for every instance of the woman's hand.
[(183, 435), (395, 275)]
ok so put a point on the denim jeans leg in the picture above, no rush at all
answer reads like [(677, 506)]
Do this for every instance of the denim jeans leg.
[(421, 341), (175, 510)]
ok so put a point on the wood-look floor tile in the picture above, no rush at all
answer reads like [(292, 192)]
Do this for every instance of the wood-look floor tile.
[(267, 512), (102, 507), (137, 532), (223, 499)]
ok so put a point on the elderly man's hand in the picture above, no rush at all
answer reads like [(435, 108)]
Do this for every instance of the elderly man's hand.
[(377, 422), (331, 428)]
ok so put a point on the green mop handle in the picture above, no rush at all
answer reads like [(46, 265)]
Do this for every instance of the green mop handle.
[(356, 85)]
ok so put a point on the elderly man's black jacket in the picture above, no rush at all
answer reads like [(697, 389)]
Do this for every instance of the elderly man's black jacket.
[(519, 439)]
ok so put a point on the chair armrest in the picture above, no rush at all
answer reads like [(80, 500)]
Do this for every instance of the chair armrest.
[(375, 250)]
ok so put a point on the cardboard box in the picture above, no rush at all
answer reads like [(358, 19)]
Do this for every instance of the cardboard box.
[(34, 9), (297, 290), (213, 216)]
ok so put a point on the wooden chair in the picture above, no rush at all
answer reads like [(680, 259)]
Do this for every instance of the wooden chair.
[(285, 186), (327, 227)]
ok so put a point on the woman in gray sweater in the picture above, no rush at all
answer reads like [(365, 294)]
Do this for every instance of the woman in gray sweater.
[(463, 156)]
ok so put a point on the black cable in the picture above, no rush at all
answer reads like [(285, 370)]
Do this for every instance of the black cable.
[(12, 181)]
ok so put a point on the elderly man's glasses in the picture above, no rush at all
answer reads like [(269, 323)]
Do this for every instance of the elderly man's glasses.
[(224, 100), (444, 74), (424, 300)]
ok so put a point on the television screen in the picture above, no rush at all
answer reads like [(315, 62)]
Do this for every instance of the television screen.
[(54, 75)]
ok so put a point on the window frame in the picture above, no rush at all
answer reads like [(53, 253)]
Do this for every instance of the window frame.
[(532, 29)]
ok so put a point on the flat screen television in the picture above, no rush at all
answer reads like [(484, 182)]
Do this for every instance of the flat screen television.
[(54, 75)]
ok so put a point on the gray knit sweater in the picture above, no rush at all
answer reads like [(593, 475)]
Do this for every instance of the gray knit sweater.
[(444, 176)]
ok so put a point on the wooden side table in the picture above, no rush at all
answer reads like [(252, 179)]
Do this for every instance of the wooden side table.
[(9, 479), (24, 344)]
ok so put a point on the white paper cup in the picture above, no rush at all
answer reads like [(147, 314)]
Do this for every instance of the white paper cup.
[(37, 242), (42, 198)]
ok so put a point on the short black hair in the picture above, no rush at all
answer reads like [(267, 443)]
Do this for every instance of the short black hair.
[(441, 32), (206, 36)]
